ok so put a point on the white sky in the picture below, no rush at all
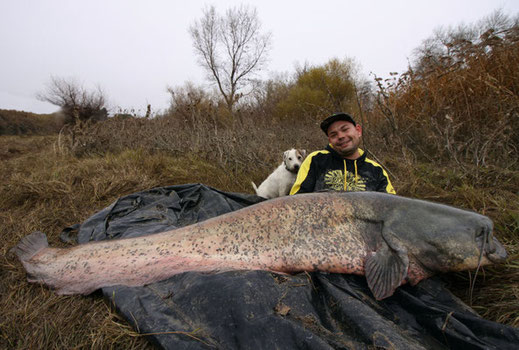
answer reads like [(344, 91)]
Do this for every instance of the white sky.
[(135, 49)]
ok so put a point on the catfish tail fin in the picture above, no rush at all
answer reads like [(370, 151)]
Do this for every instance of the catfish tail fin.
[(30, 245)]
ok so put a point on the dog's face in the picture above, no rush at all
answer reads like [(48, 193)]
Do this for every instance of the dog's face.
[(293, 159)]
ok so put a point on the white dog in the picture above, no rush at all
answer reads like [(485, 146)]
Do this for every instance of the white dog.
[(281, 180)]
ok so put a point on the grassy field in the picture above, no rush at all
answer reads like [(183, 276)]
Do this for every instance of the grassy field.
[(42, 190), (46, 189)]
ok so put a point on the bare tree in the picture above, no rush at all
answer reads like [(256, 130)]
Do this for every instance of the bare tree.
[(231, 49), (77, 104)]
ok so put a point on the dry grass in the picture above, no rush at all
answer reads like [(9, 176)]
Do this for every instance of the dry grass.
[(43, 190)]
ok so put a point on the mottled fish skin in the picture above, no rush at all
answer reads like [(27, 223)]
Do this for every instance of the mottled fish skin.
[(333, 232)]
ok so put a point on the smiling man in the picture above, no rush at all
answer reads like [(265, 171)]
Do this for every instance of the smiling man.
[(342, 165)]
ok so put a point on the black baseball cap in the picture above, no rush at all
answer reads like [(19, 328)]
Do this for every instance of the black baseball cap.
[(325, 124)]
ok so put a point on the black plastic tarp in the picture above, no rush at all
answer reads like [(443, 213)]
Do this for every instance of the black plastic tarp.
[(264, 310)]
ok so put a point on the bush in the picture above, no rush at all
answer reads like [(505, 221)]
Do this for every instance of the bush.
[(78, 105), (460, 100), (321, 90)]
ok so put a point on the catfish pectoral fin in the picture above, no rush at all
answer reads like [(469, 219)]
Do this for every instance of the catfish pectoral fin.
[(385, 270)]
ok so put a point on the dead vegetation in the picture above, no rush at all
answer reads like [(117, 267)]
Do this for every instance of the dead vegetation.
[(447, 130), (26, 123)]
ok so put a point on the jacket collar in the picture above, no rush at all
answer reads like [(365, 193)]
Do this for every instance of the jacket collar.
[(338, 156)]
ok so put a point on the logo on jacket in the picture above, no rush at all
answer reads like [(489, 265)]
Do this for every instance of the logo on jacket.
[(334, 179)]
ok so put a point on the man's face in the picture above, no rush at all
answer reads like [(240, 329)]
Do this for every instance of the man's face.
[(345, 138)]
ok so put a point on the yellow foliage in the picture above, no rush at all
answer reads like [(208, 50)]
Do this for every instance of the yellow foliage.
[(319, 91)]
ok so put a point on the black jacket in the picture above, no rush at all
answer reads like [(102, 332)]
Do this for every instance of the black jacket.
[(326, 170)]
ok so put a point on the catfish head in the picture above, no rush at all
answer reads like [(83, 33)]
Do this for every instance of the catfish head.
[(424, 238)]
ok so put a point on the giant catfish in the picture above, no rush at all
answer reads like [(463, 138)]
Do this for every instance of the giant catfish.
[(389, 239)]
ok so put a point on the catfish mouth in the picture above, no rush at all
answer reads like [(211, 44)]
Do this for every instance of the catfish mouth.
[(499, 254), (490, 247)]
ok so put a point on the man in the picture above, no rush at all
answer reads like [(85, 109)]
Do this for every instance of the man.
[(342, 165)]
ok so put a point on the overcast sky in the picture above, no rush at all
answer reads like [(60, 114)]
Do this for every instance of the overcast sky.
[(135, 49)]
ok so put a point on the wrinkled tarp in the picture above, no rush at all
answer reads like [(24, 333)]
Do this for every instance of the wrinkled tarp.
[(264, 310)]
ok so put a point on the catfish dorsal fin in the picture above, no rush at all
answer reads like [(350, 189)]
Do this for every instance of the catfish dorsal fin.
[(386, 268), (30, 245)]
